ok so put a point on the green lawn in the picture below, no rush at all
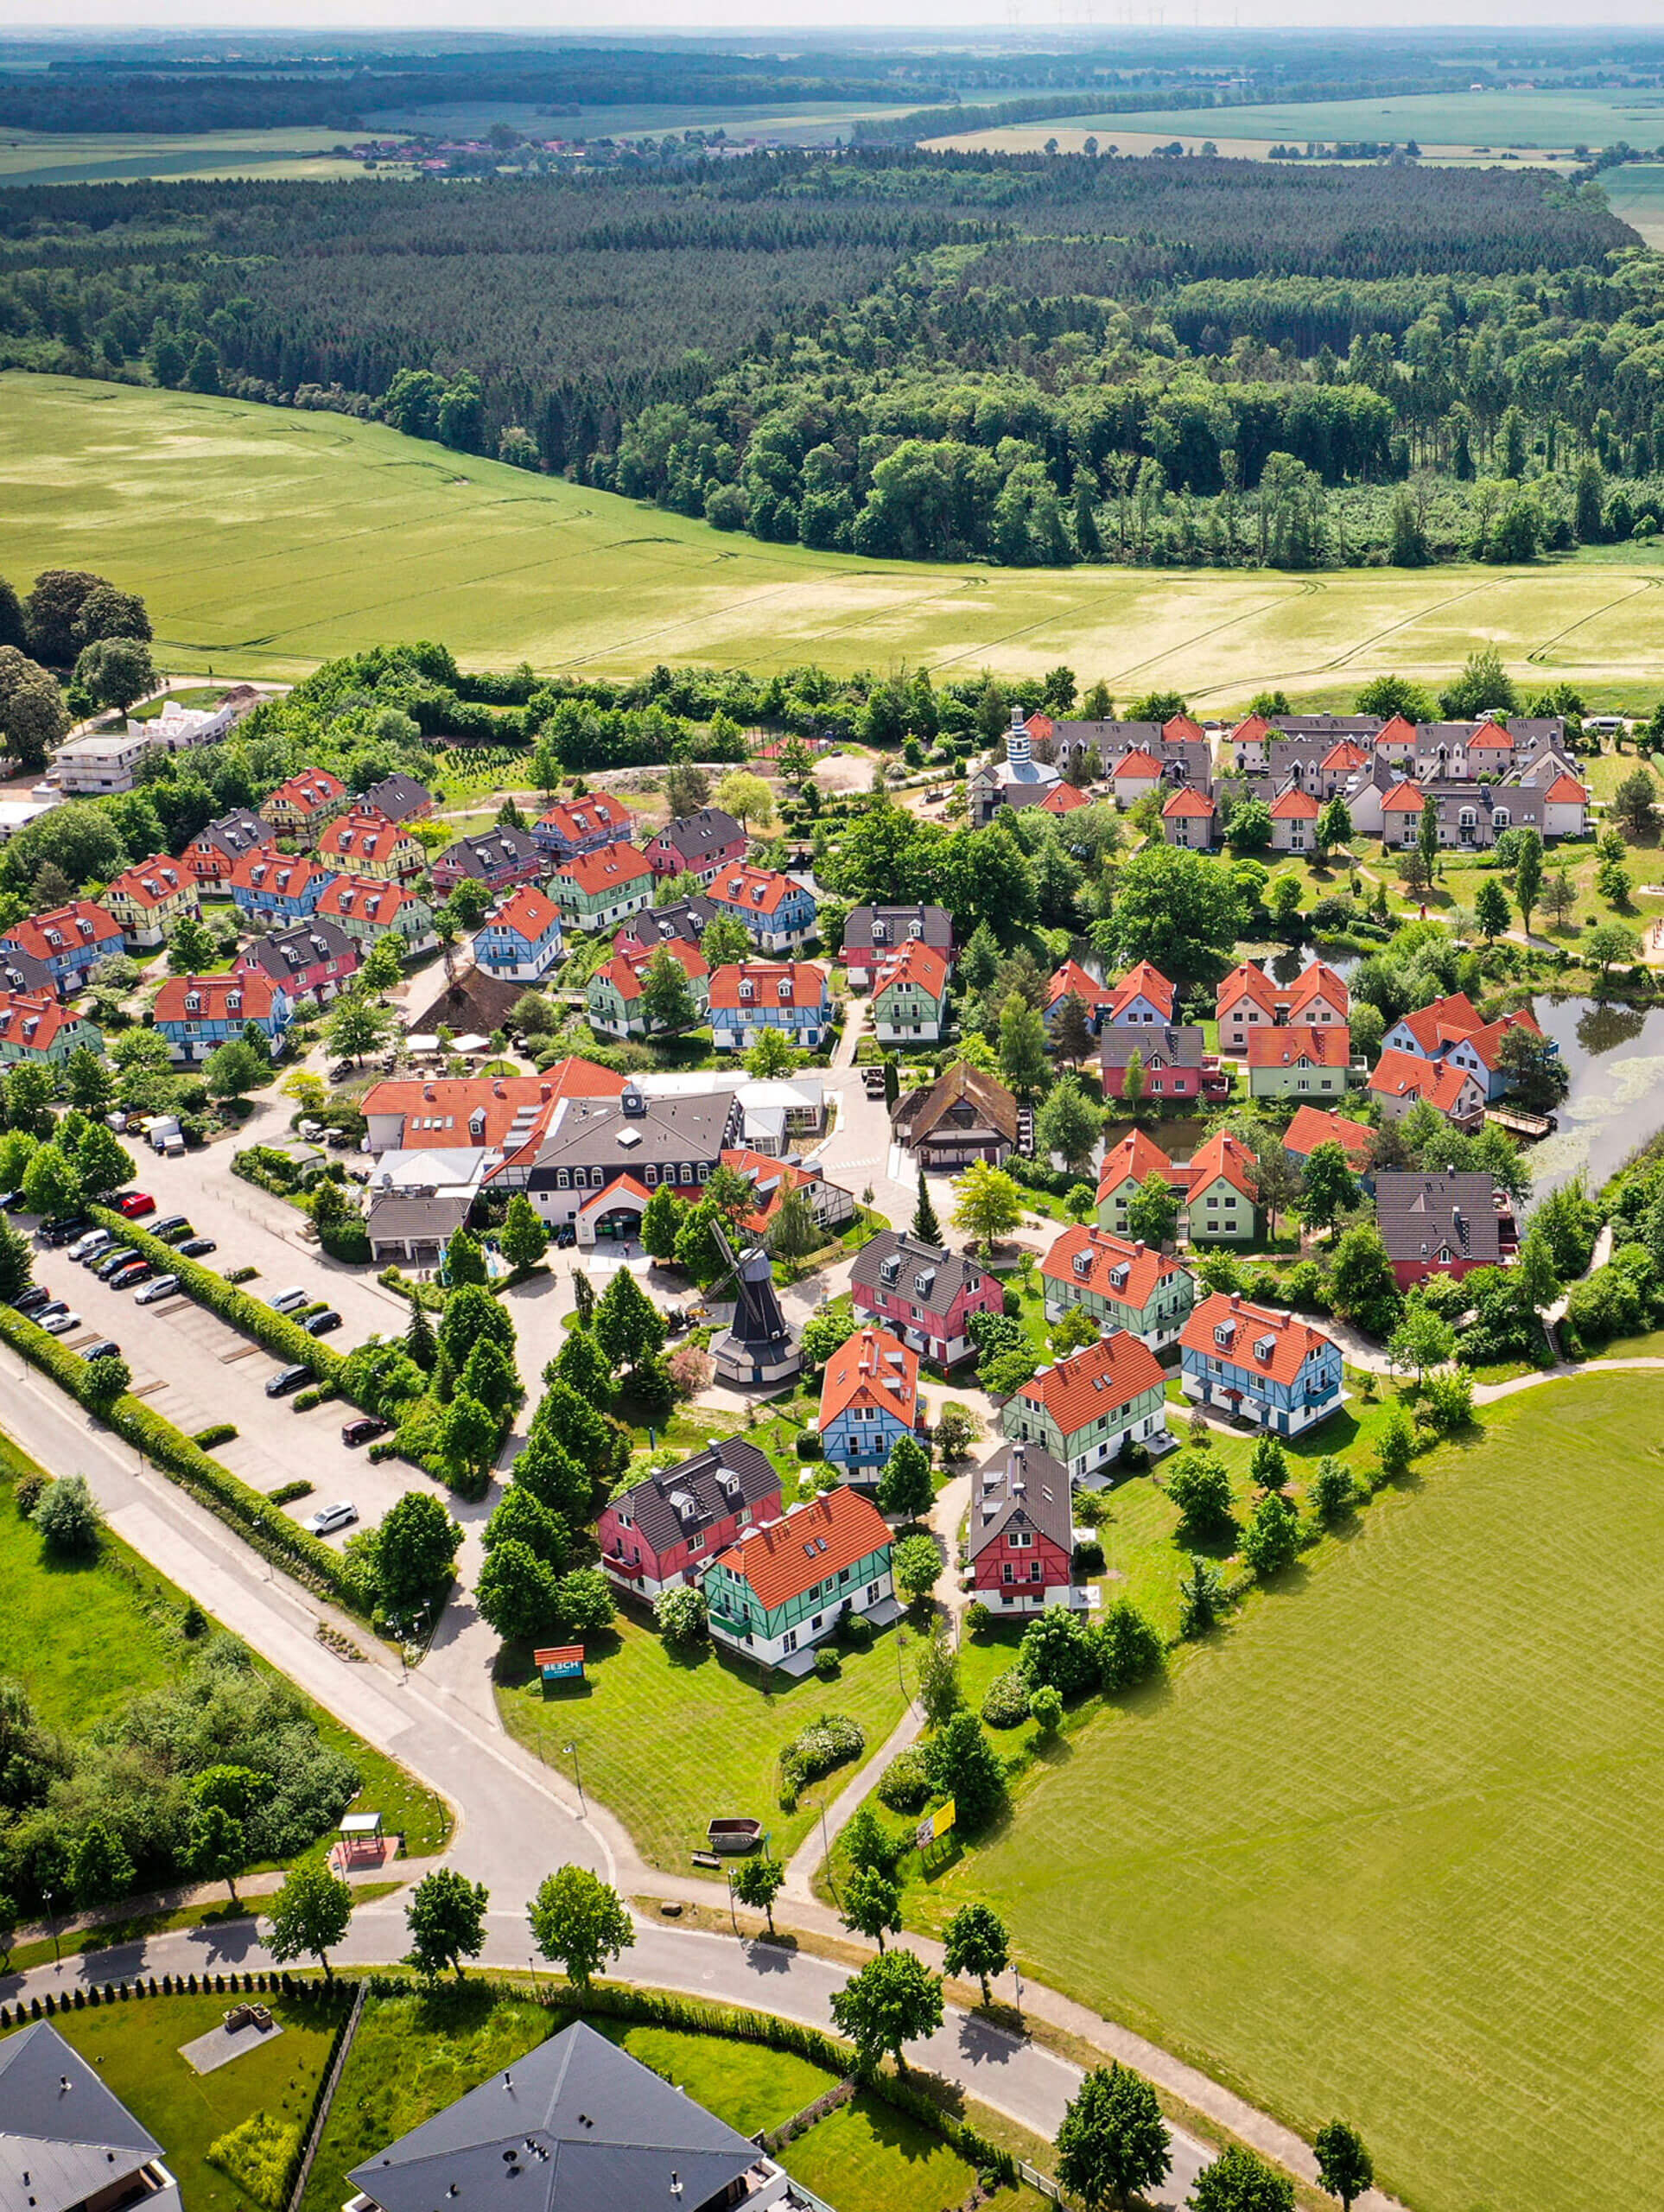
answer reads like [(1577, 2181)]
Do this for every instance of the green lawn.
[(866, 2157), (265, 539), (134, 2048), (85, 1636), (1393, 1845), (667, 1742)]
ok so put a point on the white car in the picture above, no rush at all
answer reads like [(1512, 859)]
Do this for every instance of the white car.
[(163, 1286), (59, 1323), (285, 1301), (88, 1246), (328, 1518)]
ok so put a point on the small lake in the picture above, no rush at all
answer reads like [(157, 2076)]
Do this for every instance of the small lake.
[(1614, 1057)]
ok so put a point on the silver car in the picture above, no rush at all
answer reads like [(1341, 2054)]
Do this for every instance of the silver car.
[(88, 1246), (328, 1518), (285, 1301), (163, 1286)]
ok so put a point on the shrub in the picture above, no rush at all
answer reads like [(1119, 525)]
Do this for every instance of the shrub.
[(259, 2156), (288, 1493), (827, 1742), (1046, 1707), (29, 1489), (1129, 1649), (808, 1444), (681, 1614), (828, 1665), (856, 1632), (218, 1432), (1007, 1702), (978, 1619), (905, 1785), (1057, 1648), (67, 1518)]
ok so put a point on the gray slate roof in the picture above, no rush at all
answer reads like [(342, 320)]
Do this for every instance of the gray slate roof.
[(63, 2136), (1422, 1217), (606, 1133), (235, 833), (695, 838), (935, 927), (689, 919), (284, 953), (398, 797), (1181, 1046), (404, 1217), (948, 1273), (24, 972), (1032, 1492), (663, 1525), (492, 852), (574, 2125)]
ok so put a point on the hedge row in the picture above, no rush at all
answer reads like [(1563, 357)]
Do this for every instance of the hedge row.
[(87, 1997), (284, 1338), (265, 1526)]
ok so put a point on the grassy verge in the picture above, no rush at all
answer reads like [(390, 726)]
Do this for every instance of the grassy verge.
[(139, 1927)]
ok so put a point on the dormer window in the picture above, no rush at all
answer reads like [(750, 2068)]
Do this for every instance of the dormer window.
[(192, 1002), (784, 988), (1082, 1264), (747, 990), (1263, 1349), (1224, 1332)]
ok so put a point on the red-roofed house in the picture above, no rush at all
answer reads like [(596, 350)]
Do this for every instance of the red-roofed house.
[(1451, 1030), (147, 898), (196, 1013), (1250, 745), (1064, 798), (1293, 819), (1086, 1408), (1401, 815), (1221, 1203), (1317, 996), (36, 1028), (1121, 1285), (1143, 998), (520, 940), (614, 999), (1247, 1000), (784, 1587), (1133, 775), (71, 940), (598, 890), (1344, 761), (778, 910), (1020, 1542), (1395, 741), (1126, 1167), (582, 825), (869, 1399), (1302, 1062), (748, 996), (1400, 1080), (1190, 819), (369, 911), (1071, 981), (364, 842), (1566, 808), (1254, 1363), (832, 1206), (300, 808), (444, 1113), (910, 994), (280, 886), (1315, 1125)]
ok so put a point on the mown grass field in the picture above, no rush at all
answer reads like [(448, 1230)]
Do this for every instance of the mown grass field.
[(265, 540), (120, 157), (1392, 1845), (668, 1743), (1459, 120)]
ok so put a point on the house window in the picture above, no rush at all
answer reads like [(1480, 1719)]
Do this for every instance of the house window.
[(789, 1641), (872, 1593)]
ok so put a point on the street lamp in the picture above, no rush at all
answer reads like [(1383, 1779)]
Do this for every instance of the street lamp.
[(577, 1773), (52, 1923), (818, 1805)]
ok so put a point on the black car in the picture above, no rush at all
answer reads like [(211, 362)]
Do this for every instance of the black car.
[(32, 1300), (131, 1276), (122, 1255), (288, 1379), (197, 1248), (169, 1227), (12, 1202), (105, 1348), (364, 1430), (324, 1324), (63, 1228)]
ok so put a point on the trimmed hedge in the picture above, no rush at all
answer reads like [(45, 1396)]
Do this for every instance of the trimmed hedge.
[(264, 1526), (219, 1431)]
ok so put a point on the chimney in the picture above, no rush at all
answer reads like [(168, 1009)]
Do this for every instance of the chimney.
[(545, 1092), (1139, 1248), (1235, 1298)]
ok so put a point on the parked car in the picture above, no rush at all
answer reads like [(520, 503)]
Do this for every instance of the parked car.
[(101, 1347), (197, 1248), (324, 1324), (285, 1301), (107, 1263), (62, 1228), (365, 1430), (11, 1202), (163, 1286), (341, 1514), (565, 1235), (32, 1300), (170, 1225), (89, 1246), (129, 1277), (59, 1323), (286, 1379), (134, 1203)]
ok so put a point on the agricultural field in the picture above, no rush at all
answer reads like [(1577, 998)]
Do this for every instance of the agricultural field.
[(806, 122), (1390, 1845), (1456, 124), (111, 157), (1636, 195), (265, 540)]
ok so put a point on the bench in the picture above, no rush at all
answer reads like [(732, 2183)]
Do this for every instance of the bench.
[(708, 1858)]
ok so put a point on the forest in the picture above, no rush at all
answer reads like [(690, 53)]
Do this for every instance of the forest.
[(1017, 358)]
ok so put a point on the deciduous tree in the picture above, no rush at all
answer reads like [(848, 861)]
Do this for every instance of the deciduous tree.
[(1113, 2143), (446, 1916), (309, 1915), (579, 1922), (891, 2002)]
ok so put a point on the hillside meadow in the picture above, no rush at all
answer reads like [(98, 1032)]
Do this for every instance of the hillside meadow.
[(1392, 1846), (266, 540)]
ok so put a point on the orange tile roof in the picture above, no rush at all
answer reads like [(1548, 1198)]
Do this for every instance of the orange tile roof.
[(1063, 799), (1491, 738), (1187, 800), (1142, 981), (1319, 1046), (1402, 1075), (814, 1540), (1403, 798), (871, 1367), (309, 793), (1147, 1270), (1072, 976), (452, 1099), (1487, 1041), (362, 833), (253, 993), (1179, 729), (527, 911), (771, 1179), (367, 897), (1253, 729), (1345, 754), (1137, 1156), (1567, 790), (1319, 980), (1247, 981), (152, 882), (81, 922), (911, 962), (1107, 1374), (625, 970), (1312, 1126), (609, 867), (615, 1190), (756, 890), (1276, 1345), (279, 875), (32, 1020), (578, 818), (1445, 1022), (807, 981), (1138, 765), (1397, 729), (1294, 805), (1225, 1159)]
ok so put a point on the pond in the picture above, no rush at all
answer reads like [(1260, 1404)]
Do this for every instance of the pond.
[(1614, 1057)]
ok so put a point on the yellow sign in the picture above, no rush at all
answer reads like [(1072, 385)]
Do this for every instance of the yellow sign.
[(934, 1826)]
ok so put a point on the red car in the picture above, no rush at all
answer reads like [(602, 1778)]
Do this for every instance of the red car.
[(134, 1202)]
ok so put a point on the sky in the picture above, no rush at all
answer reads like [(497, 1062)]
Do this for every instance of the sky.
[(710, 18)]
